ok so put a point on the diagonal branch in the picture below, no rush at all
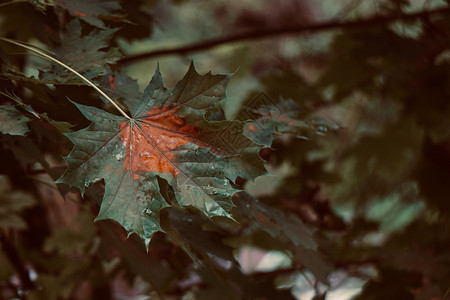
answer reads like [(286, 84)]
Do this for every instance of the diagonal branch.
[(271, 32)]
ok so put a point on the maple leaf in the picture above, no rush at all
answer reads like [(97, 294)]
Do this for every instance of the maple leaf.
[(287, 228), (169, 137), (91, 10), (283, 226), (12, 121), (118, 85), (83, 53), (283, 118)]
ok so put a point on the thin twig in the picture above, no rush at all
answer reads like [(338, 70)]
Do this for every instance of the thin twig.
[(12, 2), (41, 3), (312, 284), (291, 30), (42, 54)]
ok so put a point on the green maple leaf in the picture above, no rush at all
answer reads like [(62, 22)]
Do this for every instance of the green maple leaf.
[(279, 225), (168, 136), (91, 11), (83, 53), (118, 85), (283, 118), (12, 121)]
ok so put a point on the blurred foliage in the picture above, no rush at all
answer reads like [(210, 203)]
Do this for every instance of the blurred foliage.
[(356, 129)]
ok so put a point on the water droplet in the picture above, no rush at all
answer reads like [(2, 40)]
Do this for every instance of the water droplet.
[(120, 155)]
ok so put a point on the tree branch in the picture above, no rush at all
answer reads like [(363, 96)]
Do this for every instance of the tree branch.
[(292, 30)]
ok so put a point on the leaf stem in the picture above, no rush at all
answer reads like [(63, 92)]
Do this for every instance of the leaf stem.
[(40, 5), (46, 56), (12, 2)]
